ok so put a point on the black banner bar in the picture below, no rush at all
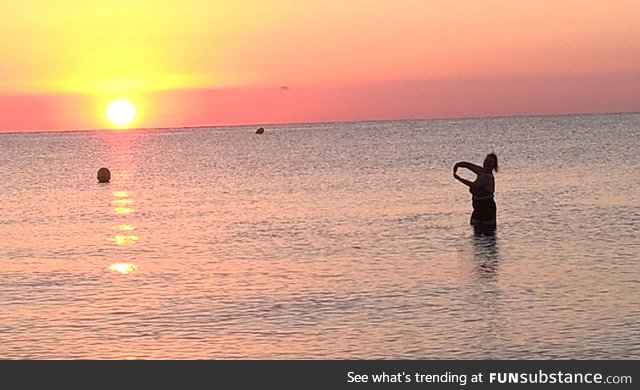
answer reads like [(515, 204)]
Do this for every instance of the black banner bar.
[(340, 374)]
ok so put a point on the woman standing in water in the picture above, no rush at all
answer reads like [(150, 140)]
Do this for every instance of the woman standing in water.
[(482, 189)]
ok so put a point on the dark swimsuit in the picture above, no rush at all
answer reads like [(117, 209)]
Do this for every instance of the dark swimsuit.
[(484, 208)]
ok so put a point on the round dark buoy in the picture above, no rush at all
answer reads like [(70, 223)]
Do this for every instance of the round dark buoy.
[(260, 130), (104, 175)]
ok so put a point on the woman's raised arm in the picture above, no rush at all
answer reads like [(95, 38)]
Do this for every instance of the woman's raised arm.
[(463, 181), (472, 167)]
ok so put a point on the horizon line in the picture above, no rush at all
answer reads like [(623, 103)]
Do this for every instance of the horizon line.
[(373, 120)]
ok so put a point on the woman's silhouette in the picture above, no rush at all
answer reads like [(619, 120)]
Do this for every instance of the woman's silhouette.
[(482, 189)]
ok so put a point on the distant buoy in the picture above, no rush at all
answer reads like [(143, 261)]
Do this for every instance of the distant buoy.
[(260, 130), (104, 175)]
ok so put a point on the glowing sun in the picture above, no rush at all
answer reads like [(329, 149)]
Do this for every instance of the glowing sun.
[(121, 112)]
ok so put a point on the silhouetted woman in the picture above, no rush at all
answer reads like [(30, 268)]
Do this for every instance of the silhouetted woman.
[(482, 189)]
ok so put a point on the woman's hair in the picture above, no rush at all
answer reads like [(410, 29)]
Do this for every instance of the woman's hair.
[(495, 158)]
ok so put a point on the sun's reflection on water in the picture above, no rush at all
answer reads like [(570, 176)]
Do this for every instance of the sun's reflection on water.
[(123, 210), (121, 194), (121, 239), (123, 204), (123, 268)]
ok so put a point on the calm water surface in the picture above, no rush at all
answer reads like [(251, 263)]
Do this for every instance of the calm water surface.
[(346, 240)]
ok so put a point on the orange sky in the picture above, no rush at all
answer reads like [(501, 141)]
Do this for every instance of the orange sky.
[(202, 62)]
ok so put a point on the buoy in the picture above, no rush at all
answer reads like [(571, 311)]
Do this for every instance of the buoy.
[(104, 175), (260, 130)]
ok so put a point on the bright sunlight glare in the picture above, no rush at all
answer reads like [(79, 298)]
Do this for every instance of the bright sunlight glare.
[(121, 112)]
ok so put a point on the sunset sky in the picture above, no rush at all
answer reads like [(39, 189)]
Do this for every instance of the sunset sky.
[(204, 62)]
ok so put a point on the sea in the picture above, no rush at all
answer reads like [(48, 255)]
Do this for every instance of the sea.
[(322, 241)]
